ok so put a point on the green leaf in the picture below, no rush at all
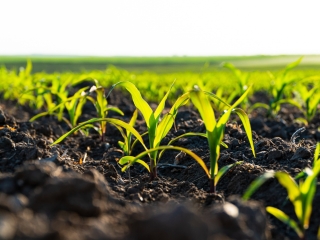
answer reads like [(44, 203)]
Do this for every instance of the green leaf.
[(256, 184), (223, 170), (290, 101), (167, 121), (247, 127), (285, 219), (308, 189), (52, 110), (110, 120), (293, 192), (189, 134), (28, 68), (138, 101), (161, 105), (132, 160), (292, 65), (301, 120), (203, 105), (115, 109), (259, 105), (125, 160), (143, 163), (121, 145)]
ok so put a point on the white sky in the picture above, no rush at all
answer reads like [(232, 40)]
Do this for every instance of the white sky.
[(166, 27)]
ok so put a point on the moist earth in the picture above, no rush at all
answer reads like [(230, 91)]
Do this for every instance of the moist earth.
[(76, 189)]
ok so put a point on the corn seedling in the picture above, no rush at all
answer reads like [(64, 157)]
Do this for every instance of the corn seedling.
[(278, 87), (242, 83), (157, 129), (215, 129), (126, 145), (300, 194), (101, 105), (73, 105), (115, 122), (310, 100)]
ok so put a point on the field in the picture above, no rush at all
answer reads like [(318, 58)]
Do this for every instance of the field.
[(79, 161), (52, 64)]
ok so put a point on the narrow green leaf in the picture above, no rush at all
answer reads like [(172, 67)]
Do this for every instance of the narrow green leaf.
[(126, 159), (187, 151), (121, 144), (161, 105), (223, 170), (308, 189), (259, 105), (167, 121), (115, 109), (213, 97), (247, 126), (293, 192), (143, 163), (51, 111), (138, 101), (256, 184), (133, 118), (110, 120), (292, 65), (202, 103), (290, 101), (28, 67), (285, 219)]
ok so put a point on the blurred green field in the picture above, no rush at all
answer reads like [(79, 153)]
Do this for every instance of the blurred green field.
[(52, 64), (286, 79)]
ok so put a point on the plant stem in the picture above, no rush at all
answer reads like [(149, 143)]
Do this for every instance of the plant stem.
[(153, 170), (212, 186)]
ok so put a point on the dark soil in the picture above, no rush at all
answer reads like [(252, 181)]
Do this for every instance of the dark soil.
[(55, 192)]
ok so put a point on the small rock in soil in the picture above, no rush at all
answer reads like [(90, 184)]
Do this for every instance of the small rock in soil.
[(274, 154), (6, 143), (301, 153)]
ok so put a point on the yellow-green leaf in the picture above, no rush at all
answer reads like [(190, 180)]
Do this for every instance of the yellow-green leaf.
[(247, 126), (293, 192), (256, 184), (202, 103), (285, 219)]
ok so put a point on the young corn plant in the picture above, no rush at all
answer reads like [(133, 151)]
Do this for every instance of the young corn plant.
[(116, 122), (242, 83), (73, 105), (300, 194), (279, 85), (215, 129), (310, 99), (157, 127), (101, 105), (126, 145)]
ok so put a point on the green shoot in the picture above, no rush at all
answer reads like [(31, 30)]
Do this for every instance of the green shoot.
[(73, 105), (242, 83), (278, 89), (310, 100), (127, 137), (157, 129), (130, 160), (215, 129), (115, 122), (101, 105), (301, 195)]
